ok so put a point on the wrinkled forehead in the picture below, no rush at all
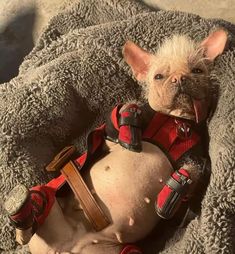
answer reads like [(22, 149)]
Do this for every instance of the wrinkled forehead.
[(178, 52), (170, 65)]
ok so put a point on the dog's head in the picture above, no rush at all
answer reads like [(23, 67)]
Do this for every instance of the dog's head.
[(176, 78)]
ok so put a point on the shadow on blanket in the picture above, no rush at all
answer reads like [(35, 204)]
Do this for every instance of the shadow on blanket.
[(16, 41), (76, 72)]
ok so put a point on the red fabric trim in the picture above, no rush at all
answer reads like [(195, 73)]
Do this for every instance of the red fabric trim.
[(181, 146), (125, 114), (183, 172), (101, 128), (81, 160), (163, 195), (114, 117), (155, 124), (50, 198), (56, 183), (166, 135), (125, 134), (163, 129), (48, 193), (129, 249), (24, 212), (166, 191)]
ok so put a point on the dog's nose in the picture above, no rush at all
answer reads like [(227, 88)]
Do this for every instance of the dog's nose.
[(178, 79)]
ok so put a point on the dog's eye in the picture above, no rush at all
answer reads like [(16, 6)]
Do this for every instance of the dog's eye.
[(197, 70), (158, 76)]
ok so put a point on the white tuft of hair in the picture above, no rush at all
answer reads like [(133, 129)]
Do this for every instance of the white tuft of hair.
[(180, 49), (177, 46)]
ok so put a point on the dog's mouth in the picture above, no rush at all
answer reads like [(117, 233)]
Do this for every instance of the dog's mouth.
[(195, 109)]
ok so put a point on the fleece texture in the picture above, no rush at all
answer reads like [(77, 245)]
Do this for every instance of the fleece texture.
[(76, 73)]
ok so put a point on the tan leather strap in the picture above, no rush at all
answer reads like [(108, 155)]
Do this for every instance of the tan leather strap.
[(61, 158), (91, 208)]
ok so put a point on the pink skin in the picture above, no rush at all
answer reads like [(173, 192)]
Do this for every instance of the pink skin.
[(164, 94)]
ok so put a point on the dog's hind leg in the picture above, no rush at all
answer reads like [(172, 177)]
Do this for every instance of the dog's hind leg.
[(96, 243)]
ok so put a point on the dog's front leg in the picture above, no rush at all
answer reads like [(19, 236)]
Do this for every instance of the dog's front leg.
[(184, 184)]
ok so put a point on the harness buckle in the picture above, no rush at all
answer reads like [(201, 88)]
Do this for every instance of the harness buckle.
[(183, 129)]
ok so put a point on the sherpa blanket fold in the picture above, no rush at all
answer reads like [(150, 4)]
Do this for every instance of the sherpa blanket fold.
[(73, 77)]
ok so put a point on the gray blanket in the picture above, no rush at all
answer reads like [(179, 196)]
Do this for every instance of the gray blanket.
[(73, 77)]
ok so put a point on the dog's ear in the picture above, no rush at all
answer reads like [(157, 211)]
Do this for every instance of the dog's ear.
[(138, 59), (215, 43)]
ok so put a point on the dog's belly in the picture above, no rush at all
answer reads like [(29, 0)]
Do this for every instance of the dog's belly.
[(126, 184)]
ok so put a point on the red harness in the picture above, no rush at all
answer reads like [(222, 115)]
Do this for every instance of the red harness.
[(175, 137)]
